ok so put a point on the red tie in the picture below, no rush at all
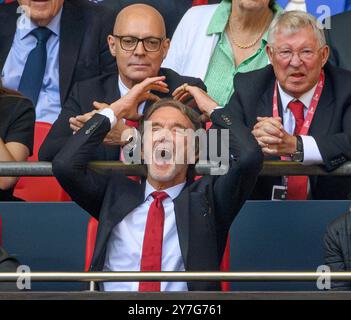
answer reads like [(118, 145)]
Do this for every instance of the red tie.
[(297, 185), (151, 257), (132, 123), (199, 2)]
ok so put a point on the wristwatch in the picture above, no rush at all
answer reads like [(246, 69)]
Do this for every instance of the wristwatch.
[(297, 156)]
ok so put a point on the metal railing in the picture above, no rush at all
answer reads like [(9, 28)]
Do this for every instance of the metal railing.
[(270, 168), (173, 276)]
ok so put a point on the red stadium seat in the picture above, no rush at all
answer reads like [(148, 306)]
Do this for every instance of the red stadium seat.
[(90, 243), (40, 188), (199, 2)]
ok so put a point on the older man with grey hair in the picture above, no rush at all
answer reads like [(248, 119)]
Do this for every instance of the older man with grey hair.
[(299, 109)]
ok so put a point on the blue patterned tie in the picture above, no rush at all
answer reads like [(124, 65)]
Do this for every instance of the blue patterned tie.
[(33, 73)]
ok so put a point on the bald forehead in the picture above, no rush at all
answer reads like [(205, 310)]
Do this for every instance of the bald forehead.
[(140, 16)]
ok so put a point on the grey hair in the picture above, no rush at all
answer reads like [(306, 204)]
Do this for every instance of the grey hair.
[(291, 22)]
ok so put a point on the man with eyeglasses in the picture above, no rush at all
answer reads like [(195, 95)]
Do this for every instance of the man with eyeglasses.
[(299, 109), (139, 45)]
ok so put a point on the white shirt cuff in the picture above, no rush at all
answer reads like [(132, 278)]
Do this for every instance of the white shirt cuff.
[(107, 112), (311, 154)]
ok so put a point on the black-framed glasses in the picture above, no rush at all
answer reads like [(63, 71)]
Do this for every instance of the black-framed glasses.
[(129, 43)]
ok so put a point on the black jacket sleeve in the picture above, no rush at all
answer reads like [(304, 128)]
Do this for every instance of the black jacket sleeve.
[(337, 249), (21, 126), (70, 166), (245, 163), (60, 131)]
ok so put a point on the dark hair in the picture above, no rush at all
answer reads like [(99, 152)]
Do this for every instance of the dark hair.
[(271, 4), (8, 92), (192, 115)]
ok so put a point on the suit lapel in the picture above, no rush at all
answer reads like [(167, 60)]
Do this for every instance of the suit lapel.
[(8, 24), (182, 215), (71, 35), (111, 89), (265, 104), (323, 115)]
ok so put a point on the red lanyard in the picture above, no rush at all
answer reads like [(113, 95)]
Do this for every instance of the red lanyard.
[(311, 110)]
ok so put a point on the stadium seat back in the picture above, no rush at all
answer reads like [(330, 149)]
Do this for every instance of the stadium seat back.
[(40, 188)]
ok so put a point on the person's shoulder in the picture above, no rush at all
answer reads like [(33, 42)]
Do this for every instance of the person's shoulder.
[(340, 20), (8, 12), (200, 13), (204, 9), (341, 78), (96, 82), (341, 224), (90, 9), (8, 8), (9, 101), (174, 79), (169, 73), (259, 76)]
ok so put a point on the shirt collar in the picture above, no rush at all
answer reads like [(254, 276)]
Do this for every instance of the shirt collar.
[(173, 192), (123, 89), (54, 25), (306, 98), (220, 18)]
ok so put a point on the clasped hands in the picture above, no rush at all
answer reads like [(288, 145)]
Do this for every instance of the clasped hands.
[(127, 106), (272, 138)]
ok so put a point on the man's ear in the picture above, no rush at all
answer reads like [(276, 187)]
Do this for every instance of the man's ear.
[(165, 45), (269, 51), (111, 40), (325, 54)]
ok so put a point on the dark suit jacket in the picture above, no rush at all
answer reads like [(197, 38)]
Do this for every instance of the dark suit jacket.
[(83, 45), (171, 10), (338, 38), (331, 125), (204, 209), (102, 89), (337, 249), (7, 264)]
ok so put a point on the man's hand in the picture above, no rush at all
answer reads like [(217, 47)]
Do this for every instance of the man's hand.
[(204, 102), (127, 106), (115, 134), (78, 122), (272, 138)]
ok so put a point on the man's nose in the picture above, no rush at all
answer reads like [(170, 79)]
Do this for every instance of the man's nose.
[(139, 50), (295, 60)]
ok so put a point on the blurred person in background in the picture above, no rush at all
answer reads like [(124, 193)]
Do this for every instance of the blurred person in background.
[(337, 249), (17, 117), (338, 39), (215, 42), (171, 10), (48, 45)]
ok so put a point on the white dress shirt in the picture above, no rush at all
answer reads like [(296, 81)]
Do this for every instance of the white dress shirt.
[(311, 151), (49, 102), (296, 5), (126, 242)]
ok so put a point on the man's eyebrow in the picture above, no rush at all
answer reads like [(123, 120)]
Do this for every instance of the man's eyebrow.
[(173, 125)]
